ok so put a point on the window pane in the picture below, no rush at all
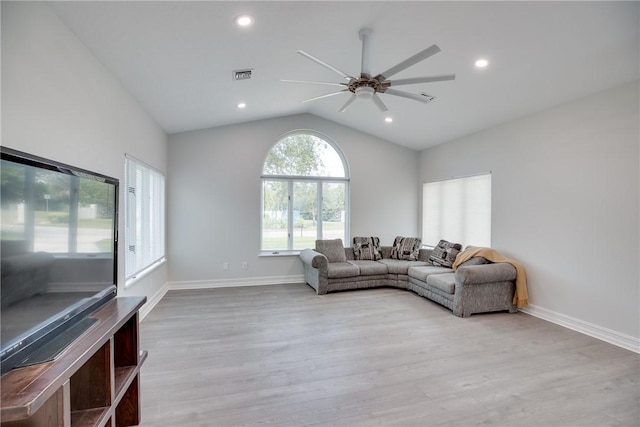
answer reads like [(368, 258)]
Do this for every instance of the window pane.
[(275, 214), (333, 210), (305, 214), (303, 155)]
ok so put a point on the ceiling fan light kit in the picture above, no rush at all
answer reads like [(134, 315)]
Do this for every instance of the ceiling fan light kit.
[(367, 87), (364, 92)]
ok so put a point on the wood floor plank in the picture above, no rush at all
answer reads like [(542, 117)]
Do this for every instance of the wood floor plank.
[(284, 356)]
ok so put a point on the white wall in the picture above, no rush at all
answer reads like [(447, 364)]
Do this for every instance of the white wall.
[(214, 196), (60, 103), (565, 181), (565, 204)]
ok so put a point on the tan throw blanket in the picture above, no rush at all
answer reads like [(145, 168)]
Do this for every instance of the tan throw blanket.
[(521, 296)]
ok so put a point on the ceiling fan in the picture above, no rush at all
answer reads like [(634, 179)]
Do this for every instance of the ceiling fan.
[(368, 87)]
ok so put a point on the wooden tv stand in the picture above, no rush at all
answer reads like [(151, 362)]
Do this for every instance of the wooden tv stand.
[(93, 382)]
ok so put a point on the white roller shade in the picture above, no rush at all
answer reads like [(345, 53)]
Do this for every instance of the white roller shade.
[(145, 218), (457, 210)]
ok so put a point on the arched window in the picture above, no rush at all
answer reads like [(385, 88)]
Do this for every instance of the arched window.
[(305, 193)]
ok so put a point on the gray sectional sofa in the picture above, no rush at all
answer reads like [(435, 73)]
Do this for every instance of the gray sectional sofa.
[(477, 286)]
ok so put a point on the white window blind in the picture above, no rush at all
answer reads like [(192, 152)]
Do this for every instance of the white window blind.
[(457, 210), (145, 217)]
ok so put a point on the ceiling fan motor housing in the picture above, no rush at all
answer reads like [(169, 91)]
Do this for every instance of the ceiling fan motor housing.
[(366, 84)]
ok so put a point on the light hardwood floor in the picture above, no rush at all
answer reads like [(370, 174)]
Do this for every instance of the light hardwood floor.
[(284, 356)]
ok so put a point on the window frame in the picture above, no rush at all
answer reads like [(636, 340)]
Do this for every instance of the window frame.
[(291, 180), (153, 205)]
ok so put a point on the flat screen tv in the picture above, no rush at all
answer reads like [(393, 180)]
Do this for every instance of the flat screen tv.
[(59, 239)]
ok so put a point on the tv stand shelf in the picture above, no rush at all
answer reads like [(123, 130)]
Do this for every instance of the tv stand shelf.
[(93, 382)]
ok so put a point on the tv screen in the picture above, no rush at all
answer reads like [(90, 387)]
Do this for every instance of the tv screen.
[(58, 251)]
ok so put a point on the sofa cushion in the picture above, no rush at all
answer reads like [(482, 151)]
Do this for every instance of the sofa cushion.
[(397, 266), (366, 248), (446, 282), (370, 268), (421, 273), (337, 270), (406, 248), (332, 249), (444, 254)]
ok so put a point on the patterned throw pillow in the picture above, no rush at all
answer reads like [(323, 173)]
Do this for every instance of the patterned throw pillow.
[(406, 248), (366, 248), (444, 254)]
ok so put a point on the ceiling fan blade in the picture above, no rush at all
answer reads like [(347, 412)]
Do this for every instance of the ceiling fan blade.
[(317, 83), (376, 100), (326, 96), (430, 79), (407, 95), (346, 104), (366, 51), (324, 64), (420, 56)]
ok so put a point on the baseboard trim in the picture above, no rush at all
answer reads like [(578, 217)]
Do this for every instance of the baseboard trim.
[(153, 301), (237, 282), (625, 341)]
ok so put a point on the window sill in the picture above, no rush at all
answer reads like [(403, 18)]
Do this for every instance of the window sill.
[(268, 254), (143, 273)]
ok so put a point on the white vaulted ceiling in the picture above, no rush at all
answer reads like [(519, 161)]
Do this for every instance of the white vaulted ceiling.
[(177, 59)]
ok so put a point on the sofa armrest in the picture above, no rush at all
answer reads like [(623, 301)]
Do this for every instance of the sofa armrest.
[(315, 269), (486, 273), (313, 258)]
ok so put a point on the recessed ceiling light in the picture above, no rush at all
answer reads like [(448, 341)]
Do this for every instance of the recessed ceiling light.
[(244, 20), (481, 63), (388, 119), (241, 105)]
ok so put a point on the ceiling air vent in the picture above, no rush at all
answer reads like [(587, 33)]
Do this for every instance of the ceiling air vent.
[(242, 74), (430, 98)]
